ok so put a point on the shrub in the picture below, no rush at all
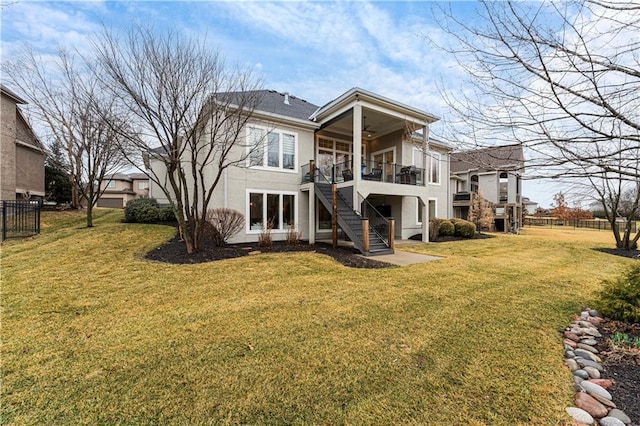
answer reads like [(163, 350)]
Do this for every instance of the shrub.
[(620, 299), (464, 228), (293, 236), (265, 239), (434, 228), (141, 210), (446, 229), (226, 223), (166, 214)]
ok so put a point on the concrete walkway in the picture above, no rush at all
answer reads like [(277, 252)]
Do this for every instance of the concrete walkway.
[(399, 258), (404, 258)]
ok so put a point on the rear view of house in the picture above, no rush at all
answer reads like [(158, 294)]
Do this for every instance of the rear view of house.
[(374, 153), (495, 173)]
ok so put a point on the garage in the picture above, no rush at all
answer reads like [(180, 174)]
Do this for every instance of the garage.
[(111, 202)]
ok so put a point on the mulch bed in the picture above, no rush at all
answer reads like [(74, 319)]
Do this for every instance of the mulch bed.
[(174, 251), (622, 365), (632, 254)]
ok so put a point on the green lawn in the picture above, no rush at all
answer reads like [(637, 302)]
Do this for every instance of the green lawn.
[(94, 334)]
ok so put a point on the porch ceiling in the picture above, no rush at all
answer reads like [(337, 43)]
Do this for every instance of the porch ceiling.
[(375, 124)]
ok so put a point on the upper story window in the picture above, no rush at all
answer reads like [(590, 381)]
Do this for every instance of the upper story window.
[(474, 184), (504, 187), (143, 185), (272, 149), (434, 175), (111, 184)]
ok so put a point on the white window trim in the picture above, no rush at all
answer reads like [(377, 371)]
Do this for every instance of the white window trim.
[(264, 192), (435, 200), (111, 184), (382, 151), (438, 157), (334, 151), (265, 155)]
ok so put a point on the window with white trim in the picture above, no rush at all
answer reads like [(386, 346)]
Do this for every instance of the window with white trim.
[(111, 184), (434, 171), (271, 150), (143, 185), (275, 209)]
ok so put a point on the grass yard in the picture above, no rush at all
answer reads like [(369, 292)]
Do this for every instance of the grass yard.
[(94, 334)]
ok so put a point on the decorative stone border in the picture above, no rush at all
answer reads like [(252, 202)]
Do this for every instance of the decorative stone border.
[(593, 403)]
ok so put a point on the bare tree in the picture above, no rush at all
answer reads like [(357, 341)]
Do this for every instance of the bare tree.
[(559, 77), (190, 109), (70, 104)]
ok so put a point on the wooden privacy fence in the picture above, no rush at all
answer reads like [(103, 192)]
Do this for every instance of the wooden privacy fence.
[(600, 224), (20, 218)]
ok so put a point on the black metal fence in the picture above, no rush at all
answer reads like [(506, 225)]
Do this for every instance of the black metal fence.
[(600, 224), (20, 218)]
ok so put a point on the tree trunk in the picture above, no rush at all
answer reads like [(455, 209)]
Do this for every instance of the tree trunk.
[(89, 215)]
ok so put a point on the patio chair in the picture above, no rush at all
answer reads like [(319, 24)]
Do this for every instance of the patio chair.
[(347, 175), (376, 174)]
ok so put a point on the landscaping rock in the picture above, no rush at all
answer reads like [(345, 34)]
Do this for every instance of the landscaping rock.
[(572, 336), (586, 363), (610, 421), (587, 348), (569, 354), (620, 415), (584, 315), (579, 415), (581, 353), (594, 313), (594, 389), (582, 374), (592, 332), (572, 364), (604, 383), (590, 405), (593, 373), (589, 341), (604, 401), (585, 324), (570, 343)]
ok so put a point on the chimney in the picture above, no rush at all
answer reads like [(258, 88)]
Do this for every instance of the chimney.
[(286, 98)]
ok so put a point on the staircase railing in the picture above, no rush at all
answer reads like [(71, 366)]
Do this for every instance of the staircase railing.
[(377, 222)]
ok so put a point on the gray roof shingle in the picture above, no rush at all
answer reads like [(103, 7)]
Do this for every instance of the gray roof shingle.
[(486, 159), (273, 102)]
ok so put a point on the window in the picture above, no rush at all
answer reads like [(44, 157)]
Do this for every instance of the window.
[(143, 185), (271, 150), (434, 176), (504, 187), (275, 208), (420, 205), (474, 184), (334, 152), (111, 184)]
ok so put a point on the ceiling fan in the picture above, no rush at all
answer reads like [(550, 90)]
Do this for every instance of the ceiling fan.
[(365, 129)]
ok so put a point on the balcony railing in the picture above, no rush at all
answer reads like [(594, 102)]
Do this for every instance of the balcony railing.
[(370, 171)]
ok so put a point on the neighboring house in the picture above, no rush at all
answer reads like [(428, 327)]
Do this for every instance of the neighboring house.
[(495, 173), (22, 154), (529, 206), (374, 148), (120, 188)]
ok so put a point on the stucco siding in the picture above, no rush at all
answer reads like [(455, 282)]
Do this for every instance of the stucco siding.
[(29, 171)]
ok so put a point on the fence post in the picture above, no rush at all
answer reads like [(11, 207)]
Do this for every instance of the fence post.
[(4, 220), (312, 171), (392, 232)]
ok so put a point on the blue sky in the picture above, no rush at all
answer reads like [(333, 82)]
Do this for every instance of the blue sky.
[(314, 50)]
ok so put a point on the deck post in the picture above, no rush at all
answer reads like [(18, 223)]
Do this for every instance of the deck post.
[(365, 235), (312, 170), (392, 232), (334, 214)]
